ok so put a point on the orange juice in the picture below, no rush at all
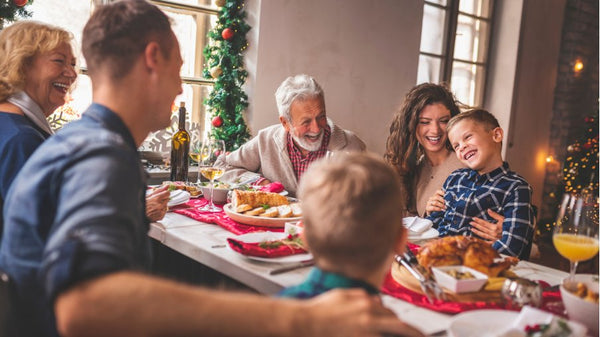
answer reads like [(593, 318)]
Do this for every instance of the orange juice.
[(575, 247)]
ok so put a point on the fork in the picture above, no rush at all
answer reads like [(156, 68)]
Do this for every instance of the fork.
[(430, 288)]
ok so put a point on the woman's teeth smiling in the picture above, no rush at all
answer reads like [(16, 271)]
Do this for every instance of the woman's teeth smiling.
[(61, 86), (434, 139)]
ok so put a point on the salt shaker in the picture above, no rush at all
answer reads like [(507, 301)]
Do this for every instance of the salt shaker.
[(519, 292)]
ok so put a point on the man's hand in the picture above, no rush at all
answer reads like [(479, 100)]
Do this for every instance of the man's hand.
[(352, 313), (156, 203), (486, 230), (435, 203)]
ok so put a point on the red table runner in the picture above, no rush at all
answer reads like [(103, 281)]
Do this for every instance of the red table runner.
[(190, 209), (551, 299)]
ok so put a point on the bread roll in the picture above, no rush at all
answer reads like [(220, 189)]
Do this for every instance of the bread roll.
[(257, 198)]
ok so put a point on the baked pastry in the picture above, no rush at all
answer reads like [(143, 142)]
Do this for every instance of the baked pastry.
[(257, 199)]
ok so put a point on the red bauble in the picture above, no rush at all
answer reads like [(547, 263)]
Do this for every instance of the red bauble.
[(20, 3), (227, 33), (217, 121), (587, 145)]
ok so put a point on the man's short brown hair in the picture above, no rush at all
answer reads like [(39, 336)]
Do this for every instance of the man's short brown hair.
[(352, 205), (118, 33)]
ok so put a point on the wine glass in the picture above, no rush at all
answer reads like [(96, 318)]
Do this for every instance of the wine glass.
[(576, 232), (195, 156), (209, 152)]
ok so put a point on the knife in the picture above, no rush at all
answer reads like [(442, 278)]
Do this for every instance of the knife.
[(291, 267)]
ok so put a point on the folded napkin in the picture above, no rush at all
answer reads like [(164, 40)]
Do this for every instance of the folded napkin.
[(274, 187), (257, 249), (416, 225), (532, 321), (178, 197)]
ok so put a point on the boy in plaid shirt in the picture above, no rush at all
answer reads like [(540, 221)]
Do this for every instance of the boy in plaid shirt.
[(486, 184)]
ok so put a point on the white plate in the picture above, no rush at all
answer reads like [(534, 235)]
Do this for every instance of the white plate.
[(257, 220), (178, 197), (481, 323), (431, 233), (269, 236)]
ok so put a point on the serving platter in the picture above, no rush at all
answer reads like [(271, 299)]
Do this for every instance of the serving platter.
[(268, 236), (405, 279), (257, 220)]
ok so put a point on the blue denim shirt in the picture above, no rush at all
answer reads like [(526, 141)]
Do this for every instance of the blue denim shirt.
[(75, 211)]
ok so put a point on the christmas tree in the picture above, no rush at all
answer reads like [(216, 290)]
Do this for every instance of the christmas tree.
[(11, 9), (580, 169), (225, 63)]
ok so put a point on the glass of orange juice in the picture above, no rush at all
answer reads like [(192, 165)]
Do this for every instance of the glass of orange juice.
[(576, 232)]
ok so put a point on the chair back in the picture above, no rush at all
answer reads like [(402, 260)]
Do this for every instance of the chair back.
[(8, 311)]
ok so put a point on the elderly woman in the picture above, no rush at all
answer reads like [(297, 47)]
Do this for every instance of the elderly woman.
[(418, 148), (37, 71)]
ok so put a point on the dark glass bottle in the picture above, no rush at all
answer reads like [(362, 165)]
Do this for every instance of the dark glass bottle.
[(180, 148)]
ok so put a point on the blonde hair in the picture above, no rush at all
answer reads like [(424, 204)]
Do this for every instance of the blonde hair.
[(353, 210), (19, 44)]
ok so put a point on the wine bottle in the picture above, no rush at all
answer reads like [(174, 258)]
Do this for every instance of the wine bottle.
[(180, 148)]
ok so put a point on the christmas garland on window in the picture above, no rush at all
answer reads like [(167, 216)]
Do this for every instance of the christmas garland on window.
[(225, 64), (11, 9)]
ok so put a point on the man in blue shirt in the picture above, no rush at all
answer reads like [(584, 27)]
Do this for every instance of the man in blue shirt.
[(487, 184), (76, 239)]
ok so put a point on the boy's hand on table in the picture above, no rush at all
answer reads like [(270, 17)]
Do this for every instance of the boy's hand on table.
[(489, 231), (436, 203)]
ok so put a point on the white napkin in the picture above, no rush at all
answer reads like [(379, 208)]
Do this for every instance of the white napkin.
[(416, 225), (178, 197), (532, 316)]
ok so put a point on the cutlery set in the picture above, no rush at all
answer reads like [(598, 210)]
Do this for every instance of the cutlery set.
[(429, 286)]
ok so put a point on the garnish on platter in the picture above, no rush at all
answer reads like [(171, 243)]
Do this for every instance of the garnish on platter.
[(181, 185), (288, 245)]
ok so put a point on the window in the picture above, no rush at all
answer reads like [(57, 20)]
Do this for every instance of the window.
[(192, 19), (454, 46)]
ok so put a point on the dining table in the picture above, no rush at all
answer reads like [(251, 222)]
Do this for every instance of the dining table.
[(206, 243)]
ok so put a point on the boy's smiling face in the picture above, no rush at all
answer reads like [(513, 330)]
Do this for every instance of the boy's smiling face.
[(476, 147)]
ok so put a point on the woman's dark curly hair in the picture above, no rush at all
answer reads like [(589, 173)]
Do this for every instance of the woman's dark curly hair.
[(402, 148)]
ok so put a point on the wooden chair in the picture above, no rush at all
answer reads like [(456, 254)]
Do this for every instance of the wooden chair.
[(8, 326)]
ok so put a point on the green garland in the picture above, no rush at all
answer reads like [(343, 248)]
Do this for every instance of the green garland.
[(225, 63), (9, 11)]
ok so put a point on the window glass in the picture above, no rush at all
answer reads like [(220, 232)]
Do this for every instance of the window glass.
[(429, 69), (432, 34), (479, 8), (471, 39), (467, 82)]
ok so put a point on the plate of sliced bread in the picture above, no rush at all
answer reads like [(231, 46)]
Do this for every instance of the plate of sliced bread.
[(259, 208)]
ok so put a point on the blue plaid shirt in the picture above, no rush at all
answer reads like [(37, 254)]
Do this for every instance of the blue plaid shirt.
[(319, 281), (469, 195)]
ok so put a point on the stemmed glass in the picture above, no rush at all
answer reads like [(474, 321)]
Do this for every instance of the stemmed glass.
[(196, 155), (576, 232), (209, 152)]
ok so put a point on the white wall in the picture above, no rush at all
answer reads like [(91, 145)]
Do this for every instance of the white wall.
[(522, 82), (363, 53)]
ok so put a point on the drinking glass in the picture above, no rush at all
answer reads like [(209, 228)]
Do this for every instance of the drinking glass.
[(209, 152), (195, 156), (576, 232)]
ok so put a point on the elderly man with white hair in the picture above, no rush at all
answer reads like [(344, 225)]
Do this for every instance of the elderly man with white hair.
[(282, 152)]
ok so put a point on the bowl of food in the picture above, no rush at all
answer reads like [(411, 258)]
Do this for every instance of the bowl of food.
[(219, 195), (580, 297), (459, 279)]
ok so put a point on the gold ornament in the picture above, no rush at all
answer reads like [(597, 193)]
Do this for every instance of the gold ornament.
[(220, 3), (216, 71)]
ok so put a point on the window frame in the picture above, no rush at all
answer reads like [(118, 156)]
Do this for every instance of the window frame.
[(447, 58)]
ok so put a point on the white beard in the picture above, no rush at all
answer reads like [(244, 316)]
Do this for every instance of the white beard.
[(308, 146)]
